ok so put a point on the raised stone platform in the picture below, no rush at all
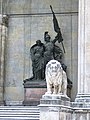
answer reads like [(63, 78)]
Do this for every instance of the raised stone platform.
[(33, 91), (55, 107)]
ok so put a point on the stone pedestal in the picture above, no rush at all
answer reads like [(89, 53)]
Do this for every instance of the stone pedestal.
[(81, 114), (33, 91), (55, 107), (55, 99)]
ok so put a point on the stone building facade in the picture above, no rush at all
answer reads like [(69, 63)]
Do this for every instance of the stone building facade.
[(27, 22), (22, 22)]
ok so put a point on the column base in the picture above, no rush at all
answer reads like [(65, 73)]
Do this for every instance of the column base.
[(82, 101)]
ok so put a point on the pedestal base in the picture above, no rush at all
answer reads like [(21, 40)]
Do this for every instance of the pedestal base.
[(33, 91), (55, 107), (33, 96), (82, 101), (55, 100)]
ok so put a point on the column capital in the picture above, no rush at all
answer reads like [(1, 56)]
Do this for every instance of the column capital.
[(4, 20)]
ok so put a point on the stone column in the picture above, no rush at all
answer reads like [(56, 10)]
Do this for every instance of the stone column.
[(3, 37), (83, 96)]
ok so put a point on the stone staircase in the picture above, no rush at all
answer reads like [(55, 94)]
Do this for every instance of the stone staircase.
[(19, 113)]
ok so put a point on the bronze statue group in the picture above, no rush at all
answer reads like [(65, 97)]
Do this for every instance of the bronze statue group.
[(42, 53)]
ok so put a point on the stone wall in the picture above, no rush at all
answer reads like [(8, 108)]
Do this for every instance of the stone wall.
[(24, 30)]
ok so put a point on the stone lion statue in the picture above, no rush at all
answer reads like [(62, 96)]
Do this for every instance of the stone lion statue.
[(56, 78)]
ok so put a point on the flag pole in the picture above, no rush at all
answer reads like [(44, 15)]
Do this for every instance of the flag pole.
[(57, 29)]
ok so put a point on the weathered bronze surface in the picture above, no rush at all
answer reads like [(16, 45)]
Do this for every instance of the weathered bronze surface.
[(41, 54)]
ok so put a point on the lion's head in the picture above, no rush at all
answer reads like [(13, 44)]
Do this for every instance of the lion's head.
[(53, 67)]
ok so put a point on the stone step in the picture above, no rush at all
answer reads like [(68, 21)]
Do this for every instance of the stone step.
[(19, 113), (18, 118), (14, 108), (18, 107)]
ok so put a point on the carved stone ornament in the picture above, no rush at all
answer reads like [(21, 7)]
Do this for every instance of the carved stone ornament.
[(4, 20)]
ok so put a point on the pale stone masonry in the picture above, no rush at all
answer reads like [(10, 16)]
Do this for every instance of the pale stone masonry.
[(80, 109), (3, 38), (83, 94), (24, 30)]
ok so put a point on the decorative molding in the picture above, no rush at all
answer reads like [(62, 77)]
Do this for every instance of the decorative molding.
[(4, 20)]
